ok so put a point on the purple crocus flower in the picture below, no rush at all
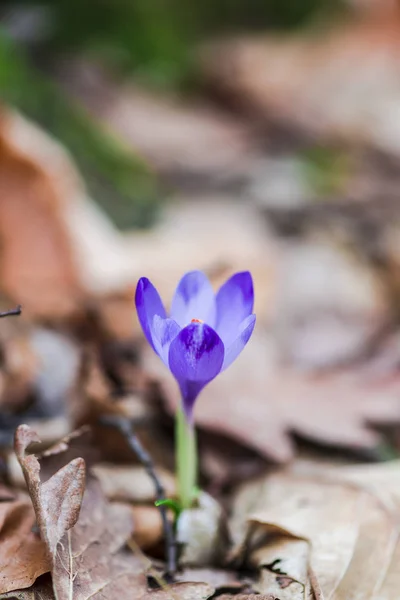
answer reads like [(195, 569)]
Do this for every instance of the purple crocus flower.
[(205, 331)]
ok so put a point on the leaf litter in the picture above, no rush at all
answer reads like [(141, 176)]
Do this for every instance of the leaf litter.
[(302, 531), (86, 537)]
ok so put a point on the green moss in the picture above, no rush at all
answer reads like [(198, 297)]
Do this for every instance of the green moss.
[(326, 170)]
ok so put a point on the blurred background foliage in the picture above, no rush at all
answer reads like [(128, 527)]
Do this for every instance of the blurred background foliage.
[(153, 41)]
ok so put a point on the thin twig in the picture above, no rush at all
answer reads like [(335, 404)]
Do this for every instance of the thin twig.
[(12, 312), (125, 427)]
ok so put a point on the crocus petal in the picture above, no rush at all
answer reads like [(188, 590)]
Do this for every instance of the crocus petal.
[(194, 299), (235, 301), (148, 304), (163, 331), (196, 356), (236, 346)]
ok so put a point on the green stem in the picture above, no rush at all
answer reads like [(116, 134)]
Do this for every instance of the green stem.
[(186, 459)]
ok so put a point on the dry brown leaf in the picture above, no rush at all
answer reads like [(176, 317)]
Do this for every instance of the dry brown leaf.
[(37, 267), (260, 405), (57, 502), (350, 539), (23, 555)]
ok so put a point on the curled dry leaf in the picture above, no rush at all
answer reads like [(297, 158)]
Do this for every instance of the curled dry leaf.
[(260, 404), (322, 533), (56, 502)]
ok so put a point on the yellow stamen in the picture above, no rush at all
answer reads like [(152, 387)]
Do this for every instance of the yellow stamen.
[(196, 321)]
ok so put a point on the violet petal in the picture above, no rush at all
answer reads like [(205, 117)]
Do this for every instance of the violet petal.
[(235, 301), (243, 335), (194, 299), (163, 332), (196, 356), (148, 304)]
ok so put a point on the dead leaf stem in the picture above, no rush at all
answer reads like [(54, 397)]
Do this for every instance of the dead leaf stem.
[(125, 427)]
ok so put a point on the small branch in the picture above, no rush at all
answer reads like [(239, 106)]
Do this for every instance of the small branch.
[(144, 457), (12, 312)]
